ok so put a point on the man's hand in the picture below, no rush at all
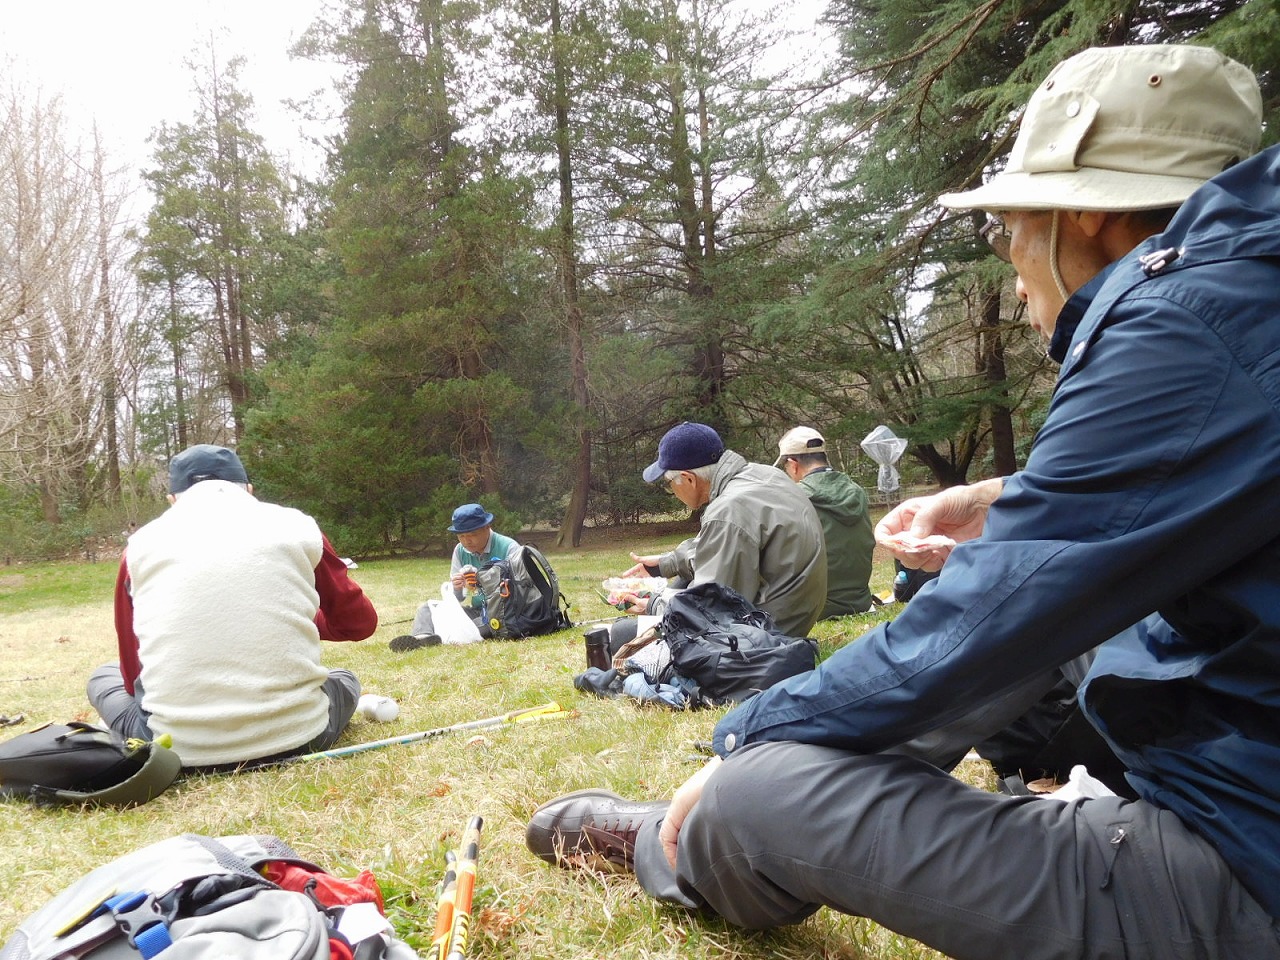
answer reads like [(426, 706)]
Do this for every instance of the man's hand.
[(917, 531), (645, 566), (682, 802), (633, 603)]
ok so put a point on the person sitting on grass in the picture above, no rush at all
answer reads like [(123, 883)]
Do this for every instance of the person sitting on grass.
[(842, 510), (220, 606), (478, 543), (1146, 241), (759, 535)]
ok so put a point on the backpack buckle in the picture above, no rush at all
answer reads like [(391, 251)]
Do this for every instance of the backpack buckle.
[(141, 921)]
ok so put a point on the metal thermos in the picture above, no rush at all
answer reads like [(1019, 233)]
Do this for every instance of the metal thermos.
[(597, 639)]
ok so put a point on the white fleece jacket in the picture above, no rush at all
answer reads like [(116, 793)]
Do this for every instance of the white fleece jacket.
[(224, 606)]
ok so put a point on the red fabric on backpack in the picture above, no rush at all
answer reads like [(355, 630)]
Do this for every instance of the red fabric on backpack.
[(331, 891)]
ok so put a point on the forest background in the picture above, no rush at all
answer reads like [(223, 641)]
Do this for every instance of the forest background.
[(545, 231)]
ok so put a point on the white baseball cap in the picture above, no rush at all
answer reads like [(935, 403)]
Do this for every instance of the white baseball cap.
[(797, 441)]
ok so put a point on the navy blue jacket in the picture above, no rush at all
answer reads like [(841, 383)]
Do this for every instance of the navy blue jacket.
[(1148, 513)]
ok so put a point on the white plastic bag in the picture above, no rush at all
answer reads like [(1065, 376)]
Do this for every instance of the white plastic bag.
[(450, 620), (1080, 783)]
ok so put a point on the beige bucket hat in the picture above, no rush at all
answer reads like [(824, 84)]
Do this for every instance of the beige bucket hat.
[(1126, 128)]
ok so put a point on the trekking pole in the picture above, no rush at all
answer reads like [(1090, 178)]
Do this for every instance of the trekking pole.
[(587, 623), (444, 909), (466, 889), (548, 711)]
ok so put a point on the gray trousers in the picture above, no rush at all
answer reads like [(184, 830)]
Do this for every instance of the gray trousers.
[(422, 624), (785, 828), (123, 713)]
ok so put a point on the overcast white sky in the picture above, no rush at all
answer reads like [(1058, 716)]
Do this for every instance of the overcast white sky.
[(121, 62)]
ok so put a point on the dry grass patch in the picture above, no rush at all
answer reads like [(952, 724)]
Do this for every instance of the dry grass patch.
[(396, 810)]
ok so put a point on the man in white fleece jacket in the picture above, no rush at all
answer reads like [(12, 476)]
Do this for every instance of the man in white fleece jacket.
[(220, 607)]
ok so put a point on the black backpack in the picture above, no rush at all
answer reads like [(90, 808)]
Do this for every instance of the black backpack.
[(522, 596), (729, 647), (74, 763)]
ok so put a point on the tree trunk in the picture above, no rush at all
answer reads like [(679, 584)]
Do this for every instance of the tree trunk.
[(576, 512), (991, 365), (699, 245), (107, 312), (179, 392)]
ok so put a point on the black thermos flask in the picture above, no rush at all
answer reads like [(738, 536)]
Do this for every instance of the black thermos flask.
[(597, 639)]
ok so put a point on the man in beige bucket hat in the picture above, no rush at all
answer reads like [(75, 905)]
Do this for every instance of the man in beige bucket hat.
[(1144, 524)]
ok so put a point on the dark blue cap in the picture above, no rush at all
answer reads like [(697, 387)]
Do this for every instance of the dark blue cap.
[(468, 517), (204, 462), (684, 447)]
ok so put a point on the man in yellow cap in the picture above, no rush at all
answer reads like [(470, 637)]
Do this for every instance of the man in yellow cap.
[(1147, 245)]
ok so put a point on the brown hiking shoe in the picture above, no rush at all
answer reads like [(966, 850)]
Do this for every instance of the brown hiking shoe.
[(590, 830)]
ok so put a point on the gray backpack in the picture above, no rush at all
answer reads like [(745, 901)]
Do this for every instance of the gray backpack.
[(522, 596), (191, 898)]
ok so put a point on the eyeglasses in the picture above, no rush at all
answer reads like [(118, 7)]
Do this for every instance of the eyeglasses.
[(996, 233), (668, 482)]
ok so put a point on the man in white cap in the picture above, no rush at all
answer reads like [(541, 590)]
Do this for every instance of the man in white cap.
[(842, 510), (1144, 523)]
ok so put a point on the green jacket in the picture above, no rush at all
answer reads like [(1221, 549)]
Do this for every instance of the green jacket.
[(842, 509)]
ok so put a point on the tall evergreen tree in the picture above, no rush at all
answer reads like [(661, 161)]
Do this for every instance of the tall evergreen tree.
[(218, 198), (410, 401)]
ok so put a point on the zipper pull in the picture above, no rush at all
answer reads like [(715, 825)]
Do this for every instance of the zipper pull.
[(1117, 837)]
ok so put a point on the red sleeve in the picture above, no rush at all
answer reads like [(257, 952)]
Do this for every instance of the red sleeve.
[(345, 612), (126, 639)]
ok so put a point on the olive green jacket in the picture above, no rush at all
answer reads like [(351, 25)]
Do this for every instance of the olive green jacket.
[(846, 527), (761, 537)]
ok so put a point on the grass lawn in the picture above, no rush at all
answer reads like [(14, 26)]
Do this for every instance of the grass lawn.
[(397, 810)]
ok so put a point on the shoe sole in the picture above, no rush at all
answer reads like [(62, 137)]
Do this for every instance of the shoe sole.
[(409, 642)]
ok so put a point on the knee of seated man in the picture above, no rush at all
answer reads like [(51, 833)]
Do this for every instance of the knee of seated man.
[(750, 784)]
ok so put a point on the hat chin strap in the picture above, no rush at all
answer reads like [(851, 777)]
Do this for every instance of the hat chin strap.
[(1053, 259)]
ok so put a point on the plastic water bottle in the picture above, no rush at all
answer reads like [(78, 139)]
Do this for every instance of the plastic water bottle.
[(468, 582)]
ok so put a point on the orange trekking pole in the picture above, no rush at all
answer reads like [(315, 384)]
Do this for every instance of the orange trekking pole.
[(465, 890), (444, 909)]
